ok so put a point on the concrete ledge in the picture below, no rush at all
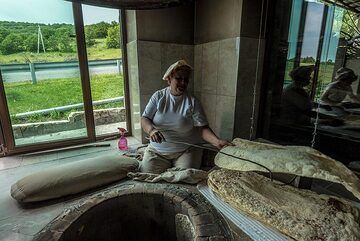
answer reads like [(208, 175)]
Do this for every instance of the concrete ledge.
[(76, 120)]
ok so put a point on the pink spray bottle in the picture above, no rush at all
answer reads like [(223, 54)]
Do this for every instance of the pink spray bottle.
[(122, 143)]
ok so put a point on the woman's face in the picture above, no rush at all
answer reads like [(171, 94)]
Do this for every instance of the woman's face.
[(179, 81)]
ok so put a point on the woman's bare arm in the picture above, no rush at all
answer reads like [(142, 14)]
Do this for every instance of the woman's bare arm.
[(154, 134), (208, 135)]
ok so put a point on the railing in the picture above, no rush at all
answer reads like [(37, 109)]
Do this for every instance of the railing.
[(68, 107), (33, 67)]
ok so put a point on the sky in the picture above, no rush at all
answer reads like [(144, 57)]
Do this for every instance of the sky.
[(52, 11), (311, 32)]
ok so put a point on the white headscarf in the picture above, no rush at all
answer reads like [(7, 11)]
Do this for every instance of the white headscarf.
[(175, 66)]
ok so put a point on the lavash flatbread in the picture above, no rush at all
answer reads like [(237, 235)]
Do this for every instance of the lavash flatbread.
[(298, 160), (301, 214)]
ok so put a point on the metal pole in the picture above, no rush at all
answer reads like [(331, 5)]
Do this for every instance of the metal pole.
[(32, 71), (119, 66)]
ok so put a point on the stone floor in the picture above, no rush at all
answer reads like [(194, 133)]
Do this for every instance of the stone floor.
[(19, 222), (22, 222)]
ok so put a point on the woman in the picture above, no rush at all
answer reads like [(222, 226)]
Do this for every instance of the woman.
[(295, 101), (174, 117), (336, 92)]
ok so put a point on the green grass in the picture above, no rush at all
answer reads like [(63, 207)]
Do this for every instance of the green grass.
[(96, 52), (25, 96), (99, 51)]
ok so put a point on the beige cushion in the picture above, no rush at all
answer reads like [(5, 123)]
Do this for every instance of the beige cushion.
[(71, 178)]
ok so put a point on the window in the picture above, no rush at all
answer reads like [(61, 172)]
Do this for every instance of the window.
[(103, 42), (50, 97), (317, 105)]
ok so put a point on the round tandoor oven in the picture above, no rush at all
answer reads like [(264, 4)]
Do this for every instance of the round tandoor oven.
[(154, 213)]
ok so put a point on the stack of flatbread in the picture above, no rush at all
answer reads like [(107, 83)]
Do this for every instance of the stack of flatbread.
[(300, 214), (298, 160)]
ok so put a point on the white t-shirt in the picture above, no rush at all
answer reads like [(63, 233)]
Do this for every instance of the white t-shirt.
[(176, 118)]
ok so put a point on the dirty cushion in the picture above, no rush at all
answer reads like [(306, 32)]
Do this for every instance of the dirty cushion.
[(71, 178)]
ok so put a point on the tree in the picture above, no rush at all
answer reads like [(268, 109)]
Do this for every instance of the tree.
[(31, 43), (90, 36), (61, 41), (13, 43), (308, 59), (101, 29), (3, 33), (113, 37)]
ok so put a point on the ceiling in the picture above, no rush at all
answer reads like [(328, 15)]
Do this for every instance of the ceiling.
[(135, 4)]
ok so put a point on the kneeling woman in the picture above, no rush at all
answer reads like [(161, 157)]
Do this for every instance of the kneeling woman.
[(173, 116)]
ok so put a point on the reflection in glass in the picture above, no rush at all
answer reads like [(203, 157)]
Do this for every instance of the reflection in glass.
[(321, 109), (39, 64)]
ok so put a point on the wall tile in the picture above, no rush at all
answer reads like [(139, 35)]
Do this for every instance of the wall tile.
[(131, 25), (224, 117), (209, 67), (170, 53), (228, 67), (188, 55), (133, 66), (208, 102), (144, 99), (197, 94), (134, 88), (149, 56), (197, 67)]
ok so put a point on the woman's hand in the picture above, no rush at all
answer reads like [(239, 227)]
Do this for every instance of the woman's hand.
[(222, 143), (156, 136)]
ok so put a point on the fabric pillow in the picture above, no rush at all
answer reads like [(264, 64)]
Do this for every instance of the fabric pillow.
[(71, 178)]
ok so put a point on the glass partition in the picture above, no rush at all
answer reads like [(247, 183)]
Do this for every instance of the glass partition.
[(319, 101)]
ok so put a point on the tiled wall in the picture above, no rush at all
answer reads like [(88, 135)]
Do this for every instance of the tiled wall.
[(215, 80), (225, 73), (148, 62), (134, 88)]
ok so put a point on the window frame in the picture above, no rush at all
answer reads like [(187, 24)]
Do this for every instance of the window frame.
[(7, 137)]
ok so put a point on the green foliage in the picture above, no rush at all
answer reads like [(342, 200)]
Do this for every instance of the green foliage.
[(31, 43), (89, 36), (113, 37), (61, 41), (97, 30), (3, 33), (57, 37), (308, 60), (55, 115), (12, 43)]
